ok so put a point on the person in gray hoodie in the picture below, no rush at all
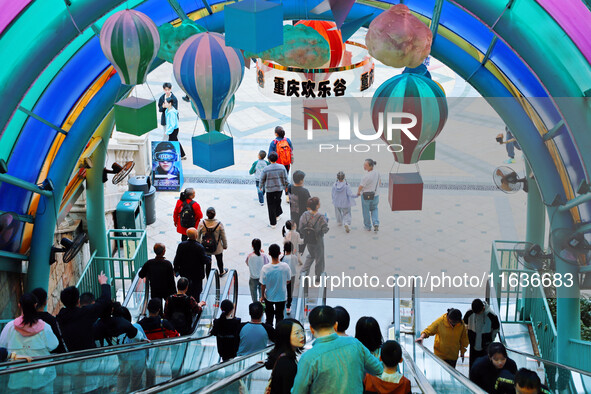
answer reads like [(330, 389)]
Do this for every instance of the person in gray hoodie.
[(343, 200), (483, 327)]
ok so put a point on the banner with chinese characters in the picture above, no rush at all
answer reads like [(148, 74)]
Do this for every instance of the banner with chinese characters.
[(354, 76)]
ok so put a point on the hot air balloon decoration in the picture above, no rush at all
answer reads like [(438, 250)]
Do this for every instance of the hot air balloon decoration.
[(253, 25), (419, 103), (130, 41), (210, 72)]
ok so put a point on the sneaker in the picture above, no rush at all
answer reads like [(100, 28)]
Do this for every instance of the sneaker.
[(186, 98), (347, 229), (509, 161), (184, 158), (278, 217), (368, 229), (224, 272), (288, 311), (262, 204), (287, 199), (272, 226), (376, 228)]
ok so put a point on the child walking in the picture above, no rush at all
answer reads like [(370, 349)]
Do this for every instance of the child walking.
[(255, 261), (292, 259), (257, 170), (343, 200), (290, 234)]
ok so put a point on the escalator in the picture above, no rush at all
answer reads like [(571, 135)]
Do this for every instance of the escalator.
[(105, 369), (246, 373)]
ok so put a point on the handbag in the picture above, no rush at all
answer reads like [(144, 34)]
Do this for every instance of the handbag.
[(368, 196)]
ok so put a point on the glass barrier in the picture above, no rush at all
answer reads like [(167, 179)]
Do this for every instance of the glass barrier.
[(201, 379), (120, 371)]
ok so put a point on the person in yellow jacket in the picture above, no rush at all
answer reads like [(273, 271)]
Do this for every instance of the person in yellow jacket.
[(451, 336)]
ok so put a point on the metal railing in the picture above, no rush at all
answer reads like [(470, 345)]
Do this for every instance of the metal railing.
[(583, 350), (121, 267), (517, 304)]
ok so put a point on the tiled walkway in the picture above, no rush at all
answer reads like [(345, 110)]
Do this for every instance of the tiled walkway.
[(462, 212)]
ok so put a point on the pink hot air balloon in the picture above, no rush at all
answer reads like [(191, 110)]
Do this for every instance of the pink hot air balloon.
[(398, 39)]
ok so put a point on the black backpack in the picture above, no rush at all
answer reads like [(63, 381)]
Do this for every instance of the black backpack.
[(309, 234), (187, 215), (210, 244)]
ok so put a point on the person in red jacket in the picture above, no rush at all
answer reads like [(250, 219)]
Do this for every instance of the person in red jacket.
[(184, 217)]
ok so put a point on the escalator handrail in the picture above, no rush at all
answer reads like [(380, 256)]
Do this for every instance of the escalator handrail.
[(300, 304), (227, 381), (493, 296), (130, 294), (202, 372), (232, 275), (420, 378), (81, 355), (452, 371), (146, 346), (213, 276)]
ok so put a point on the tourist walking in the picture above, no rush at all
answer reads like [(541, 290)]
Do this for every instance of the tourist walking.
[(212, 235), (369, 190), (187, 213), (313, 226), (343, 200), (274, 181), (274, 280), (190, 262)]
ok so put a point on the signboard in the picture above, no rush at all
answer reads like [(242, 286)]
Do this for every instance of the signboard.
[(167, 171)]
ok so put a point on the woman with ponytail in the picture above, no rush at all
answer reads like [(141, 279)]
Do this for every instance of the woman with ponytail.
[(29, 336), (255, 261), (226, 329), (187, 213)]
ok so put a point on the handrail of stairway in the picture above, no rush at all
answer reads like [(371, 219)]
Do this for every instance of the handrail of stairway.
[(491, 292)]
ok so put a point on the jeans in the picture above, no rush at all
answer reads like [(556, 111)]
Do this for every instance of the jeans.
[(316, 253), (511, 145), (255, 289), (274, 206), (343, 215), (274, 309), (370, 212), (261, 193), (174, 137)]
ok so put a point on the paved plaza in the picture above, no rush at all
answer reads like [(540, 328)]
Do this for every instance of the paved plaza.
[(462, 210)]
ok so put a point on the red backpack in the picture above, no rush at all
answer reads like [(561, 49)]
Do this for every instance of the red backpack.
[(283, 151), (161, 333)]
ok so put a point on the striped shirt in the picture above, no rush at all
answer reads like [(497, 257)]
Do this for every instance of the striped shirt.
[(274, 178)]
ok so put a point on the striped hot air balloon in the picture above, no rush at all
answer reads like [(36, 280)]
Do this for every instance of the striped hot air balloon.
[(130, 41), (210, 73), (416, 95), (217, 124)]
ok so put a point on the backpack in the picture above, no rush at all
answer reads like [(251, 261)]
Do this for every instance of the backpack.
[(161, 333), (187, 215), (210, 244), (294, 204), (283, 151), (310, 236)]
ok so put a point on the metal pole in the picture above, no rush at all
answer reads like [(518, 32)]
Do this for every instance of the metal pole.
[(95, 195)]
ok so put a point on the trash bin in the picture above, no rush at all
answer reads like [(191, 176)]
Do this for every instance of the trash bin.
[(136, 196), (129, 215), (143, 184)]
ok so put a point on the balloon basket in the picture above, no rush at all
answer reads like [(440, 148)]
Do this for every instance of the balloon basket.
[(213, 150), (429, 152), (135, 115), (405, 192), (253, 25)]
